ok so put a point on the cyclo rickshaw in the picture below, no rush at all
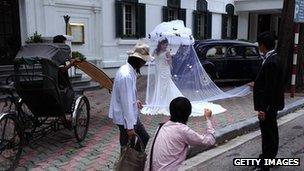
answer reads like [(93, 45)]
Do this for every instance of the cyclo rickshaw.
[(40, 99)]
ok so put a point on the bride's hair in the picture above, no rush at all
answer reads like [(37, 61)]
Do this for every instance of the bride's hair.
[(158, 48)]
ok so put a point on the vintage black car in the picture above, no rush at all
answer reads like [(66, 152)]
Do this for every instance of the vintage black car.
[(229, 59)]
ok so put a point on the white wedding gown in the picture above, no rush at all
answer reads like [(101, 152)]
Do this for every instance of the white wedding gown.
[(165, 91)]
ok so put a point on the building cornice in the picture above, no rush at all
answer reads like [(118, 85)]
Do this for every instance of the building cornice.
[(94, 5)]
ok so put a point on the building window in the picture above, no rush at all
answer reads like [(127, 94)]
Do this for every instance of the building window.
[(229, 26), (229, 23), (201, 25), (202, 21), (129, 13), (173, 11), (172, 14), (130, 19)]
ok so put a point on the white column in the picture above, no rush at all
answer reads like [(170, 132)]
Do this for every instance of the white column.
[(30, 17), (216, 26), (243, 18), (97, 37), (189, 17)]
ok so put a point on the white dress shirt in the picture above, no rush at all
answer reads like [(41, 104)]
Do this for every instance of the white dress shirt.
[(123, 107)]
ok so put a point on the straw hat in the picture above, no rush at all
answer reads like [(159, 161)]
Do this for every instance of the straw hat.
[(141, 50)]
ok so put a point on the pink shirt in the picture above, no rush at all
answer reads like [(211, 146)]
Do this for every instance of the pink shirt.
[(172, 144)]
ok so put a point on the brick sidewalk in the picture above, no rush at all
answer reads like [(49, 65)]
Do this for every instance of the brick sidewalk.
[(60, 151)]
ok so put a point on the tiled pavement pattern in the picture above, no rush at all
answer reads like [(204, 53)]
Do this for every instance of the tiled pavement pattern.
[(59, 151)]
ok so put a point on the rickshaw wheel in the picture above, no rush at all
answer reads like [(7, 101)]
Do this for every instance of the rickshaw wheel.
[(27, 116), (82, 118), (11, 140)]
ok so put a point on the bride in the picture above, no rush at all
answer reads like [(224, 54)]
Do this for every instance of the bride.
[(161, 89)]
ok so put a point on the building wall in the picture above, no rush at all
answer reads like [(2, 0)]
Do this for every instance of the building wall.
[(98, 16)]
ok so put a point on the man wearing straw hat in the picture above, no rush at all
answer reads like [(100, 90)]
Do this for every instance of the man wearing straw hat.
[(124, 106)]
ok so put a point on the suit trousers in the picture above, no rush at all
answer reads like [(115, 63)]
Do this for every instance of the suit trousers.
[(270, 135), (140, 131)]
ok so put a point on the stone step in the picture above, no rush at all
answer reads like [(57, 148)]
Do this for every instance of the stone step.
[(5, 67), (92, 86), (10, 70), (76, 77), (81, 82)]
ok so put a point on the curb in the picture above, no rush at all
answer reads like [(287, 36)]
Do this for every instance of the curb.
[(231, 131)]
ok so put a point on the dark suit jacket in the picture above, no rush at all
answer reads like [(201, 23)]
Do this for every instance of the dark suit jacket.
[(268, 90)]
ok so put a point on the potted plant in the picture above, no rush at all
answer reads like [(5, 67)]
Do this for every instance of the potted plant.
[(78, 55), (35, 38)]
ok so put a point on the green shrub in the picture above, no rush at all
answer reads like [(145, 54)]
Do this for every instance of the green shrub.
[(78, 55), (36, 38)]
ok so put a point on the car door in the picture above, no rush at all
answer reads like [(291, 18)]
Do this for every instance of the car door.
[(235, 62), (253, 62), (215, 61)]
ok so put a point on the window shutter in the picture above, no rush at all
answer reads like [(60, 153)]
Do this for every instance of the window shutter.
[(208, 28), (165, 14), (195, 24), (182, 15), (234, 27), (224, 26), (141, 20), (119, 18)]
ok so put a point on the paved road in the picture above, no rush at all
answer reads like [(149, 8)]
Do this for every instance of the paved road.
[(291, 146), (99, 151)]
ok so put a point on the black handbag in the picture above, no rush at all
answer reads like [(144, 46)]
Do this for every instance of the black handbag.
[(131, 159)]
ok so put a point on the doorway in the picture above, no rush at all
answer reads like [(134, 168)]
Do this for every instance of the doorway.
[(264, 21), (10, 38)]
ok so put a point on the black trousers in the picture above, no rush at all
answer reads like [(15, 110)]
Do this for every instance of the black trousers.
[(140, 131), (270, 136)]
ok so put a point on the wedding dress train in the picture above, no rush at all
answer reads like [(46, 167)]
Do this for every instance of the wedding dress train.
[(164, 90)]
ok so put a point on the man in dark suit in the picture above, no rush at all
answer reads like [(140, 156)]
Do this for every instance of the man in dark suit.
[(268, 96)]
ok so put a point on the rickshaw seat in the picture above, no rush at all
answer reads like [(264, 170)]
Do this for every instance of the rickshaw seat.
[(42, 100)]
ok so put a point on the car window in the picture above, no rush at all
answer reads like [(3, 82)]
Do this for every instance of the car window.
[(234, 51), (216, 52), (251, 52)]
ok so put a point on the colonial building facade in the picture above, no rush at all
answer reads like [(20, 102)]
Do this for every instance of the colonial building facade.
[(104, 30)]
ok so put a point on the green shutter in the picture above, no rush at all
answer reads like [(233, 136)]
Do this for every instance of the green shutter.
[(234, 29), (195, 23), (224, 26), (182, 15), (165, 14), (119, 18), (208, 28), (141, 20)]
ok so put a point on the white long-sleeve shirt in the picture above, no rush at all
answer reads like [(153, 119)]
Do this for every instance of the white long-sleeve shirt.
[(123, 107)]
